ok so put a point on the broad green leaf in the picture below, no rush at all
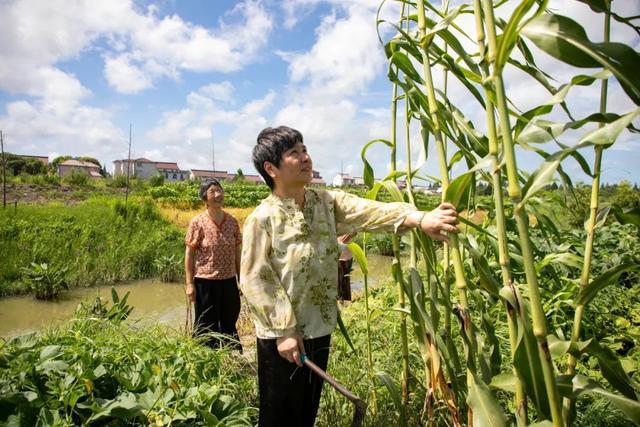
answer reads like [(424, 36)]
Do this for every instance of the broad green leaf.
[(566, 40), (566, 258), (608, 277), (386, 380), (458, 191), (505, 381), (393, 190), (486, 410), (487, 278), (557, 347), (50, 352), (359, 256)]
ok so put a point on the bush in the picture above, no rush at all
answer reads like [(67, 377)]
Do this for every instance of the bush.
[(45, 280), (118, 181), (156, 180), (77, 177)]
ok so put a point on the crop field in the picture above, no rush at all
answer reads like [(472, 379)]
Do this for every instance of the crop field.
[(530, 316)]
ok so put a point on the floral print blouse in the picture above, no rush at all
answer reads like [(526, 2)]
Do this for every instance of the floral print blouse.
[(215, 244), (289, 264)]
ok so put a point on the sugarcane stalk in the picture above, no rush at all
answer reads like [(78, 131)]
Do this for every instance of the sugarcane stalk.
[(591, 226), (520, 398), (367, 314), (522, 221), (404, 342), (460, 280)]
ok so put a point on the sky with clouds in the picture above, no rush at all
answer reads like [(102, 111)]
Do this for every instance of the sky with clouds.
[(75, 74)]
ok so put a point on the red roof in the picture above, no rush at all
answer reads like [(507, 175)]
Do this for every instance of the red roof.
[(79, 163), (164, 165), (201, 173)]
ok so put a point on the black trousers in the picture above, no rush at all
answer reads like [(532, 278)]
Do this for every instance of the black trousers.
[(217, 308), (290, 395)]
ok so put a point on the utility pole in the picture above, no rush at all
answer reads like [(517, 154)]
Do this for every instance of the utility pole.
[(126, 194), (4, 173)]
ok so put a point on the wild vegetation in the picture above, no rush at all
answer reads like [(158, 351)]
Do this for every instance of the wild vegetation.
[(506, 274), (99, 370), (48, 247), (531, 316)]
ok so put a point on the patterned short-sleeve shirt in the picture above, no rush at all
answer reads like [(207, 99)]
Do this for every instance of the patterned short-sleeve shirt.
[(215, 244), (289, 266)]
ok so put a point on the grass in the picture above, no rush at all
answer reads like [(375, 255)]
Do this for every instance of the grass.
[(95, 240)]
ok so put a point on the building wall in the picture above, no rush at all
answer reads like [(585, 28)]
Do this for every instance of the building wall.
[(65, 170), (172, 175)]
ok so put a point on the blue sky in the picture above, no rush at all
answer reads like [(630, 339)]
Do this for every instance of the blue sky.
[(74, 74)]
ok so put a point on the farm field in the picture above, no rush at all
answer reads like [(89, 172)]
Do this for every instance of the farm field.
[(528, 316)]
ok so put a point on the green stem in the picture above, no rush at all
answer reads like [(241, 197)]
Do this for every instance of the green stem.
[(374, 407), (591, 228), (522, 221), (460, 280), (404, 342), (520, 399)]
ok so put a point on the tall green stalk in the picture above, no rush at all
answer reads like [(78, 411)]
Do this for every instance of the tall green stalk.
[(591, 226), (460, 280), (365, 279), (520, 399), (404, 342), (522, 221)]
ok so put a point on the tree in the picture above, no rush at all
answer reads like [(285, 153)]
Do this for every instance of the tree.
[(239, 176)]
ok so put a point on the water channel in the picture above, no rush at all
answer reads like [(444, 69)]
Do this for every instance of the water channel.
[(152, 301)]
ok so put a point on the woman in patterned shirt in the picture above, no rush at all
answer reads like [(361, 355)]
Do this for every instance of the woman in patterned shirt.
[(290, 264), (212, 265)]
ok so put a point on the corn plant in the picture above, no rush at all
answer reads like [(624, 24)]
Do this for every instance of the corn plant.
[(499, 267)]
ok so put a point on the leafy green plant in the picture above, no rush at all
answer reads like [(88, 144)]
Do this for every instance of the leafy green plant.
[(45, 280), (169, 268)]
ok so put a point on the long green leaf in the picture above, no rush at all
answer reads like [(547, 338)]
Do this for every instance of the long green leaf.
[(566, 40), (345, 332), (368, 170), (386, 380), (458, 191), (607, 278), (486, 410), (578, 384)]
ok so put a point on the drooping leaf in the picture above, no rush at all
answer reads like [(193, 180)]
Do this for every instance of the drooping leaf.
[(368, 170), (579, 384), (630, 216), (359, 256), (458, 191), (566, 40), (607, 278), (345, 333)]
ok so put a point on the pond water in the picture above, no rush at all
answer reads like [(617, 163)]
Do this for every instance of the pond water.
[(152, 300)]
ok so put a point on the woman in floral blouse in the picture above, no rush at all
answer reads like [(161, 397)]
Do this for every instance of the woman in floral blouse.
[(290, 264), (212, 264)]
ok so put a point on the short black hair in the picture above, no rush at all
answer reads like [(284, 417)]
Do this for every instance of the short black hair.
[(270, 146), (204, 187)]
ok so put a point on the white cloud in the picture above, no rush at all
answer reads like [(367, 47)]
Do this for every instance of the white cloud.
[(220, 91), (125, 77)]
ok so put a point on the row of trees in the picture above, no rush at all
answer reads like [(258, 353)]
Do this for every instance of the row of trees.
[(18, 165)]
